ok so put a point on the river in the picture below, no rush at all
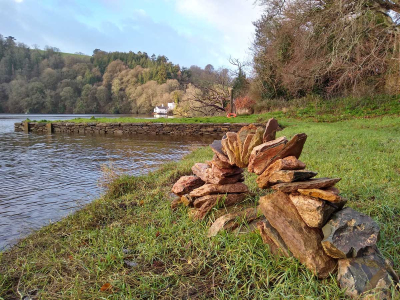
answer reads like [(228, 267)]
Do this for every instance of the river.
[(45, 177)]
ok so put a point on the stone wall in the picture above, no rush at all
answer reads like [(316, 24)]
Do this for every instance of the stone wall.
[(130, 128)]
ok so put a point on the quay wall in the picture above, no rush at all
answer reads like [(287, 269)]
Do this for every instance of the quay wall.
[(131, 128)]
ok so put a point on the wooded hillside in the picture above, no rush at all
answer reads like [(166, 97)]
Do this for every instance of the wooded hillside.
[(48, 81)]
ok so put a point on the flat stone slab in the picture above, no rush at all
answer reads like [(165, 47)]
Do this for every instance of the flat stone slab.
[(286, 176), (348, 232), (231, 221), (316, 183), (313, 211), (272, 238), (262, 155), (209, 189), (186, 184), (270, 130), (303, 242), (330, 194), (369, 276), (207, 175), (206, 203), (287, 163)]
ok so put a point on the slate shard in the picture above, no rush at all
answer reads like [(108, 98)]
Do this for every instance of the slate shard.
[(369, 276), (348, 232), (302, 241)]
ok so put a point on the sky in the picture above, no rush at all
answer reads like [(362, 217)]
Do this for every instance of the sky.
[(188, 32)]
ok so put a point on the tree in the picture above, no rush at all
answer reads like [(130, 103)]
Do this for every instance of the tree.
[(326, 47)]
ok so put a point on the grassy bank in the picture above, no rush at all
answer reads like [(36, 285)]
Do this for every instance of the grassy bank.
[(170, 256), (306, 109)]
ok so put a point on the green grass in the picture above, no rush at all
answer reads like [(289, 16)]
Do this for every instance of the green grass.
[(306, 109), (73, 258)]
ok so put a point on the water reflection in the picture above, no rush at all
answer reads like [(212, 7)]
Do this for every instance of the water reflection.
[(44, 177)]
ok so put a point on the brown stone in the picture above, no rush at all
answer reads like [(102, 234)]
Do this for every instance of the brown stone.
[(294, 147), (271, 237), (206, 203), (262, 155), (187, 200), (233, 143), (207, 175), (270, 130), (241, 139), (303, 242), (330, 195), (219, 163), (369, 276), (186, 184), (225, 172), (348, 233), (209, 189), (291, 176), (227, 150), (287, 163), (313, 211), (216, 147), (245, 149), (176, 203), (255, 141), (317, 183), (232, 221)]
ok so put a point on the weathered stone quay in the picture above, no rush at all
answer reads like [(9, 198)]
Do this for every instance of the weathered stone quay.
[(129, 128)]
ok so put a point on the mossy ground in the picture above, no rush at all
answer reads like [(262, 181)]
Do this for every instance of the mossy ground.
[(74, 258)]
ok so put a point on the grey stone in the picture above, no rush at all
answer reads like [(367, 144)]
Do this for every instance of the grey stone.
[(348, 232)]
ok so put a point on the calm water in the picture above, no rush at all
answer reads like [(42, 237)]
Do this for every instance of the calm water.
[(45, 177)]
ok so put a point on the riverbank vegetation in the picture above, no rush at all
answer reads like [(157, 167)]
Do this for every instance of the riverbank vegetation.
[(130, 245)]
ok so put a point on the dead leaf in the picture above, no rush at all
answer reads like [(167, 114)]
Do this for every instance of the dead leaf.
[(106, 287)]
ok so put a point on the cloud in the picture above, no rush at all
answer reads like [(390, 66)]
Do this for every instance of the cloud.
[(188, 32), (232, 18)]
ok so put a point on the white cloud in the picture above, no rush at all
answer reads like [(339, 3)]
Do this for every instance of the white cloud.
[(19, 1), (232, 18)]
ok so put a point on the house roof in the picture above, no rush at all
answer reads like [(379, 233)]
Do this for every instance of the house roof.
[(162, 107)]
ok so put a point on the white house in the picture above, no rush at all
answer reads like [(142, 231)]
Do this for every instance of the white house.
[(163, 110)]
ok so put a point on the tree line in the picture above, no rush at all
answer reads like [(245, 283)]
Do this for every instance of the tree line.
[(48, 81)]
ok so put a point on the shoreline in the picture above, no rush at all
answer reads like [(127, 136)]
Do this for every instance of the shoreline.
[(131, 239)]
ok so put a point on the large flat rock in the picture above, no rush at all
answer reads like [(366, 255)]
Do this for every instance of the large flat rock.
[(272, 238), (206, 173), (270, 130), (369, 276), (231, 221), (303, 242), (186, 184), (331, 194), (317, 183), (262, 155), (294, 147), (286, 176), (287, 163), (206, 203), (209, 189), (348, 232)]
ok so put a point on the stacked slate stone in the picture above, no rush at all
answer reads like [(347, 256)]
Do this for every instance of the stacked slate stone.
[(220, 181), (305, 218)]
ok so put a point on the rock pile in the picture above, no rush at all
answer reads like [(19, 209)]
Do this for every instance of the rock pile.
[(304, 217)]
